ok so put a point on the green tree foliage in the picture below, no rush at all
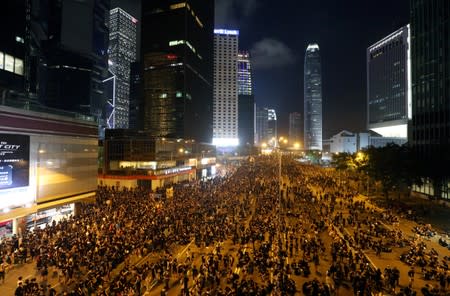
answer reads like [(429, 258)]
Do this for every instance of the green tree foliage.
[(393, 166), (342, 161)]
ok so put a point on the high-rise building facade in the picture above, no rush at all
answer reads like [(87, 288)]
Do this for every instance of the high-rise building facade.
[(74, 55), (389, 85), (122, 52), (295, 127), (246, 100), (177, 56), (312, 99), (272, 127), (12, 47), (225, 108), (136, 97), (430, 125), (261, 125), (245, 86)]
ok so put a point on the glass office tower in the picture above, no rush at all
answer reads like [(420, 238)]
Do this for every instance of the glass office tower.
[(246, 101), (389, 85), (122, 52), (177, 55), (430, 126), (295, 127), (312, 99)]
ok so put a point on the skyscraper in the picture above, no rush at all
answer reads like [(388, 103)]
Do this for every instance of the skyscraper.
[(312, 99), (136, 95), (225, 108), (430, 125), (74, 55), (177, 50), (122, 52), (12, 48), (246, 100), (388, 85), (272, 128), (244, 74), (295, 125), (262, 116)]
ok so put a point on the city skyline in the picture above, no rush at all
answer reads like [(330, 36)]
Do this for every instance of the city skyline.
[(344, 33)]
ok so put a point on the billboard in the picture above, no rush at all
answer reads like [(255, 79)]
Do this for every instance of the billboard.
[(14, 161)]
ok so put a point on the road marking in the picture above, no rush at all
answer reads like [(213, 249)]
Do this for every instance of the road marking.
[(185, 249)]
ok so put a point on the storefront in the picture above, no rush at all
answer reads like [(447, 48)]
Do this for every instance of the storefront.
[(158, 179), (48, 163), (44, 217)]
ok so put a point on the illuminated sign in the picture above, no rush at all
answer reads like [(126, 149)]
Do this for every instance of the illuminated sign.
[(226, 32), (14, 160)]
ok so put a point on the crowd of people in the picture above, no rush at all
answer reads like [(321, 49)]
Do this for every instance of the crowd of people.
[(306, 227)]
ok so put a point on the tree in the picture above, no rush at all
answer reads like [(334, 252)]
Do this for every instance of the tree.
[(393, 166), (342, 161)]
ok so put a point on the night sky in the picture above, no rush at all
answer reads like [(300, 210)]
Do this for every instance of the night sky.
[(277, 34)]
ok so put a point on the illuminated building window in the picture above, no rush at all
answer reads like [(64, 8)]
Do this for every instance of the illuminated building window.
[(176, 42), (18, 66), (190, 46), (9, 63), (2, 56), (178, 5), (198, 22)]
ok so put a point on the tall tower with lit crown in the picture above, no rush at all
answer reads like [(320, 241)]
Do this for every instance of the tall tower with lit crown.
[(312, 99)]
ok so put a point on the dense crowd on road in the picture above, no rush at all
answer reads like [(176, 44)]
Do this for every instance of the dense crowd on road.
[(284, 232)]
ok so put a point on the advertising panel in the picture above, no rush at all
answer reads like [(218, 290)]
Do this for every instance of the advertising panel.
[(14, 161)]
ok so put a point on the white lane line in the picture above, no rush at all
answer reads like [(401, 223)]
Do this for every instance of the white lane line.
[(185, 249)]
